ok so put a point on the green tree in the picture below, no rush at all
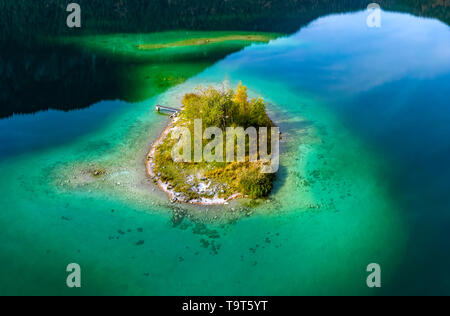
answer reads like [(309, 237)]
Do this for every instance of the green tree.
[(258, 113), (225, 108)]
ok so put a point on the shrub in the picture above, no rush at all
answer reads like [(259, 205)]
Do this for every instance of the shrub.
[(256, 184)]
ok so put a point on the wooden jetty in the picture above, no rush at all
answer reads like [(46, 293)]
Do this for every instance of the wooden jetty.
[(162, 108)]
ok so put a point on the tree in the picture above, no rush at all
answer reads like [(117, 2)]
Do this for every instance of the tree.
[(225, 108), (259, 115), (243, 106)]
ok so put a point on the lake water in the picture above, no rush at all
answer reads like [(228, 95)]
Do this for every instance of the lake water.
[(363, 179)]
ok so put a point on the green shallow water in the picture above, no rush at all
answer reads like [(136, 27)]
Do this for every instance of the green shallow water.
[(333, 210)]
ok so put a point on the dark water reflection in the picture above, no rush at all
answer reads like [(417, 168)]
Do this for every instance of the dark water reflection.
[(35, 76)]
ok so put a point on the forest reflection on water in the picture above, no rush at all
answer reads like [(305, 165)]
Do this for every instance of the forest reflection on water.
[(36, 74)]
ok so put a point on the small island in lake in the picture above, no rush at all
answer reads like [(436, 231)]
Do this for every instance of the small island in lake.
[(219, 147)]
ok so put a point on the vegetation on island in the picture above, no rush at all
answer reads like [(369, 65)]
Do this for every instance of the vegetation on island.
[(222, 180)]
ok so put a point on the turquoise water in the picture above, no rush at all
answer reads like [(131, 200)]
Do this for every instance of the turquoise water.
[(363, 178)]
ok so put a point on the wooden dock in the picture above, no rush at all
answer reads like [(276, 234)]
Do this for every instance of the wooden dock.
[(162, 108)]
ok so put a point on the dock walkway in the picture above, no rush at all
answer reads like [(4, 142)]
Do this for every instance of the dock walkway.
[(160, 108)]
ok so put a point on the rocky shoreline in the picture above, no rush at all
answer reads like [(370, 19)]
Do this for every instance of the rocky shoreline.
[(167, 188)]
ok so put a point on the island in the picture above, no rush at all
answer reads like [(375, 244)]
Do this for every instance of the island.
[(219, 147)]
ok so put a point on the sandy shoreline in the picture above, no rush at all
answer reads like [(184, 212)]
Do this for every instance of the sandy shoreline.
[(149, 166)]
